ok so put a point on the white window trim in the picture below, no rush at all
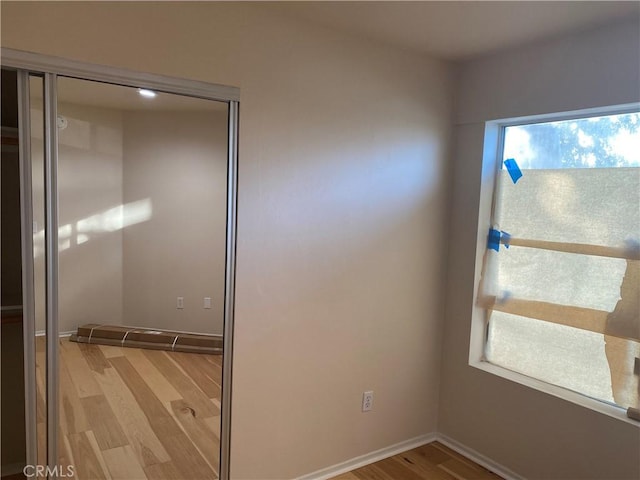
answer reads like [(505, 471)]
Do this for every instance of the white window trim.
[(491, 163)]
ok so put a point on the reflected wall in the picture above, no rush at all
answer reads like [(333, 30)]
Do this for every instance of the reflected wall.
[(142, 209)]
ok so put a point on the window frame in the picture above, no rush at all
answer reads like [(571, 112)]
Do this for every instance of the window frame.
[(492, 154)]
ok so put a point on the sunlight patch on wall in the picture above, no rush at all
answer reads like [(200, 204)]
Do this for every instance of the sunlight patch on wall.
[(86, 228)]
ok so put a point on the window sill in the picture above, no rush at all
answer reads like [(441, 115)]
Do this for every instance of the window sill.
[(618, 413)]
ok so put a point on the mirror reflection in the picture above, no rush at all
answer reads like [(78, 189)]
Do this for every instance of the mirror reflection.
[(142, 192)]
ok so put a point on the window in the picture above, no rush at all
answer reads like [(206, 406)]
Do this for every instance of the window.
[(561, 275)]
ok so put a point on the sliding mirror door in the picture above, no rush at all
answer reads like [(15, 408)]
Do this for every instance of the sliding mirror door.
[(142, 227)]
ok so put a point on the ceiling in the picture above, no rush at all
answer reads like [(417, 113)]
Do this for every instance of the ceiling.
[(459, 30)]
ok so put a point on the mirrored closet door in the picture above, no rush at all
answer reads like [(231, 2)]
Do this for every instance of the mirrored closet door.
[(131, 203)]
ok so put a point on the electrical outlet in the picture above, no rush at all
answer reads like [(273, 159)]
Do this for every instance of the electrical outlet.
[(180, 303), (367, 401)]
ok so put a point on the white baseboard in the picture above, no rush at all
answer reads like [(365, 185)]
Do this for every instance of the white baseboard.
[(368, 458), (42, 333), (361, 461), (480, 459)]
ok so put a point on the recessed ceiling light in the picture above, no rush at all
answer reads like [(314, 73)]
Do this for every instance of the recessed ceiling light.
[(146, 93)]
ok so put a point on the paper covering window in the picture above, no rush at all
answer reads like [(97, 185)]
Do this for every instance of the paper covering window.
[(561, 275)]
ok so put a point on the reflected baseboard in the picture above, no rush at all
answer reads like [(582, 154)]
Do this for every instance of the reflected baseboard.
[(42, 333)]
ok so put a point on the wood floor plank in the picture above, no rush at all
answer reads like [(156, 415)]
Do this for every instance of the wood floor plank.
[(461, 458), (214, 424), (371, 472), (110, 351), (72, 414), (191, 394), (216, 373), (103, 422), (65, 458), (86, 462), (397, 470), (94, 357), (164, 471), (96, 449), (217, 359), (152, 376), (41, 389), (41, 433), (123, 464), (82, 375), (346, 476), (433, 454), (462, 471), (203, 373), (420, 465), (199, 432), (142, 438), (186, 457), (161, 421), (41, 409)]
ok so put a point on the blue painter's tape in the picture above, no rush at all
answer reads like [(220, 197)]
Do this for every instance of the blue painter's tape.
[(513, 169), (493, 241), (506, 295), (506, 238)]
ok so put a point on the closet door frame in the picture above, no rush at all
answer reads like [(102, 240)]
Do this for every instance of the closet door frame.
[(49, 67)]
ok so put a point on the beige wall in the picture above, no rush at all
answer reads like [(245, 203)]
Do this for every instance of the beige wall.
[(90, 160), (341, 209), (175, 163), (532, 433), (90, 187)]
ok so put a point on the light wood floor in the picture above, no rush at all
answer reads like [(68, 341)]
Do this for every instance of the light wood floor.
[(133, 414), (433, 461)]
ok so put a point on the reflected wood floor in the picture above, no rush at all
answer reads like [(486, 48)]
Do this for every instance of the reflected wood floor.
[(433, 461), (134, 414)]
